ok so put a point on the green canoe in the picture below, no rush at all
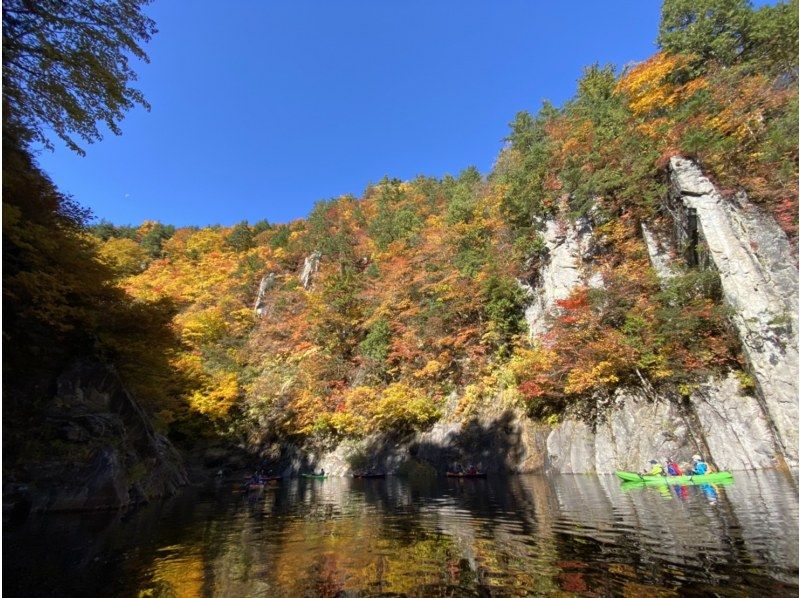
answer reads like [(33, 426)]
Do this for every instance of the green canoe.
[(709, 478), (313, 476)]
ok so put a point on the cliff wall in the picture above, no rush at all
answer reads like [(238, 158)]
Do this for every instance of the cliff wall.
[(735, 428)]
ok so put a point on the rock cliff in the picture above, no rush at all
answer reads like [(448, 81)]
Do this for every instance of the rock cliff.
[(732, 427), (105, 455), (758, 271)]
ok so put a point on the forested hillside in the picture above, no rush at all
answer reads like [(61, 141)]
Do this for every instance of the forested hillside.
[(374, 309)]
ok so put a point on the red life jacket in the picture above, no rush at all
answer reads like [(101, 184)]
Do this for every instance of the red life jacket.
[(673, 468)]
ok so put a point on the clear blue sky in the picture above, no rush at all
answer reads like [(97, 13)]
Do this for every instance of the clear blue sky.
[(262, 108)]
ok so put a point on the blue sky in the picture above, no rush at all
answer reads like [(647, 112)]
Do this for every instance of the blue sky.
[(262, 108)]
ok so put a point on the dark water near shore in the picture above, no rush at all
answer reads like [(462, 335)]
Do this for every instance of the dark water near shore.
[(341, 537)]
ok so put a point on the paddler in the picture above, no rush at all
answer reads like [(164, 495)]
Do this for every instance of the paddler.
[(699, 467), (655, 468), (673, 468)]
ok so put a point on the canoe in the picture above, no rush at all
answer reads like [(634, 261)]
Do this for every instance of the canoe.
[(452, 474), (369, 475), (313, 476), (709, 478)]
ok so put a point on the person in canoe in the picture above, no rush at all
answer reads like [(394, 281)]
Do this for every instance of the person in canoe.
[(655, 468), (699, 467), (673, 468)]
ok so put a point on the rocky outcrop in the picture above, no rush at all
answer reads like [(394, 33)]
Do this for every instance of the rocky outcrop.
[(658, 248), (567, 248), (718, 420), (310, 268), (266, 284), (758, 272), (106, 454)]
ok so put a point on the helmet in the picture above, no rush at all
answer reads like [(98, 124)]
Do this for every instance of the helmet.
[(697, 458), (653, 461)]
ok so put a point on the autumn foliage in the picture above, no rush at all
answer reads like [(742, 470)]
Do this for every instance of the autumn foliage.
[(417, 293)]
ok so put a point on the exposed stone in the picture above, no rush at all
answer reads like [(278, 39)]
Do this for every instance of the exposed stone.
[(568, 245), (267, 283), (310, 268), (570, 448), (118, 459), (658, 250), (734, 426), (719, 421), (758, 272)]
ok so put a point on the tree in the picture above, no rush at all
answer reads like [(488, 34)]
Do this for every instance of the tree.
[(709, 29), (240, 238), (124, 256), (153, 235), (774, 37), (66, 66)]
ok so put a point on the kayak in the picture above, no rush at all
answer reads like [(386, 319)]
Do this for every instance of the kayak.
[(369, 475), (452, 474), (708, 478), (313, 476)]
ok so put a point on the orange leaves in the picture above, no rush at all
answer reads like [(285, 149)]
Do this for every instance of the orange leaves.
[(649, 89)]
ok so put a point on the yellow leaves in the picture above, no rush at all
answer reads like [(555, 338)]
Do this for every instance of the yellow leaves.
[(306, 408), (205, 240), (202, 327), (124, 256), (744, 109), (580, 380), (218, 396), (525, 362), (241, 321), (470, 401), (404, 407), (431, 369), (648, 88), (361, 399), (341, 423)]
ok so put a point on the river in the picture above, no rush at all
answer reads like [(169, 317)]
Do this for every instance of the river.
[(511, 536)]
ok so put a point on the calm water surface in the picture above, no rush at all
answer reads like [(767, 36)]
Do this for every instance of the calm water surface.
[(511, 536)]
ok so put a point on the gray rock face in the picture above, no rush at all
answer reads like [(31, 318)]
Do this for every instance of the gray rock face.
[(267, 283), (734, 427), (658, 249), (561, 272), (758, 271), (719, 421), (310, 267), (114, 457)]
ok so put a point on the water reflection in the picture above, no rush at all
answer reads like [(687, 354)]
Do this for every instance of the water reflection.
[(513, 536)]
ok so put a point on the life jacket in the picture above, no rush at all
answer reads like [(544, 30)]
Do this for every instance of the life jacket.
[(700, 468), (673, 468)]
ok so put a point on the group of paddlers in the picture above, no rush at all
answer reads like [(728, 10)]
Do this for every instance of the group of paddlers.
[(698, 466)]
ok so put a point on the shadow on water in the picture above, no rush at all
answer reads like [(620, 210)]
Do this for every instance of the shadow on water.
[(502, 536)]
